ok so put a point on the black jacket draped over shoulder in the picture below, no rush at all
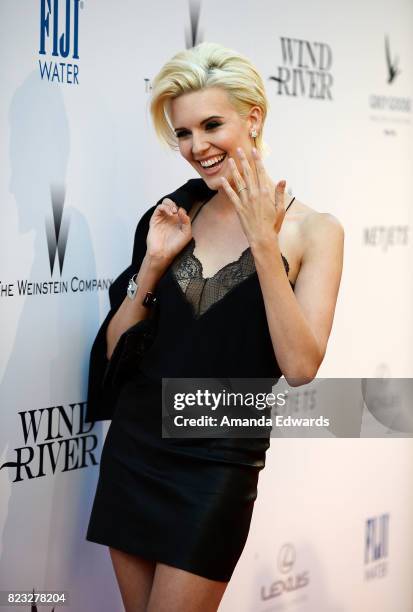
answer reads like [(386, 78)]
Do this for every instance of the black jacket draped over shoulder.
[(101, 398)]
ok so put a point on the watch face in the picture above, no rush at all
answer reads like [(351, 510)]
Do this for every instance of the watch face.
[(131, 290)]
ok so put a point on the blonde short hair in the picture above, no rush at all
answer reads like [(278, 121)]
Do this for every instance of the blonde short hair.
[(206, 65)]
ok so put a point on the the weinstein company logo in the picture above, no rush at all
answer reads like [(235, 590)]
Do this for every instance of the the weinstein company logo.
[(384, 102), (376, 546), (290, 579), (306, 69), (62, 43), (193, 35), (57, 229)]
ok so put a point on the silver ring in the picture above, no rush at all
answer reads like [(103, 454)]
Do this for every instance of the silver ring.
[(242, 189)]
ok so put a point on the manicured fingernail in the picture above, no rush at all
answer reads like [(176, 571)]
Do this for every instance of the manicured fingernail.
[(239, 151), (254, 151)]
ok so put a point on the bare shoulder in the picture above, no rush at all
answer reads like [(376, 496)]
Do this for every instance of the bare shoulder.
[(315, 226)]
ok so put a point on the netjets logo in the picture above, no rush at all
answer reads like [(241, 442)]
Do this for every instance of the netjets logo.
[(193, 35), (392, 68), (57, 228)]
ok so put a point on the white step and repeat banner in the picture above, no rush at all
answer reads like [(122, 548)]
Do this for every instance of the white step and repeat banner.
[(79, 163)]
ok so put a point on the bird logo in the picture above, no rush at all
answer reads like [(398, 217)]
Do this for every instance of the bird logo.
[(393, 70)]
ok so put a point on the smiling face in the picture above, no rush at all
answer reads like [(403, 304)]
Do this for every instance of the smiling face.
[(209, 130)]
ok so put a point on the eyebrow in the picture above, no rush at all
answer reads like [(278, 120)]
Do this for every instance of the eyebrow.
[(202, 122)]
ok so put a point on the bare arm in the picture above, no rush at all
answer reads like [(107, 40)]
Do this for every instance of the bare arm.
[(300, 322)]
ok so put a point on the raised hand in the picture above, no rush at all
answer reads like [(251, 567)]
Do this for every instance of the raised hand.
[(260, 209), (169, 231)]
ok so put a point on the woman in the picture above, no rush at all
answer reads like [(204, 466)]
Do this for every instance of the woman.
[(245, 290)]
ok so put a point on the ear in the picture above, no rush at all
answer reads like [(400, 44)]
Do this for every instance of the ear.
[(255, 118)]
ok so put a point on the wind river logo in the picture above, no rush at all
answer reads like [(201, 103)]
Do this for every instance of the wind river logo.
[(59, 31), (55, 439), (306, 69)]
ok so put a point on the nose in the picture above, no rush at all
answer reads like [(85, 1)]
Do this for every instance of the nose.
[(200, 143)]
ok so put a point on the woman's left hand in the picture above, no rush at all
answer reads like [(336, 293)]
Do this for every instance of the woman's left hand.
[(260, 210)]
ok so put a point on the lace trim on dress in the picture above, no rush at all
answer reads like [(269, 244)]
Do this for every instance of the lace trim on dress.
[(203, 292)]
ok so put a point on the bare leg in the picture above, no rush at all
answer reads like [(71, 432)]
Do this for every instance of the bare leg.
[(175, 590), (134, 576)]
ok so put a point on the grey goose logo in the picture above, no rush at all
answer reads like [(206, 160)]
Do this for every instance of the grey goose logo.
[(193, 36), (392, 68), (382, 102), (57, 228)]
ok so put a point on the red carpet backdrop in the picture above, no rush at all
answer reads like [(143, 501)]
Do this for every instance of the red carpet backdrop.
[(332, 529)]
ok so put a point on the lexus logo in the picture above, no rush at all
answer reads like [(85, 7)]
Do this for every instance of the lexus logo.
[(286, 558)]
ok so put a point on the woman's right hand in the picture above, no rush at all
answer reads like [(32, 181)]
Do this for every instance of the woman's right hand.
[(169, 231)]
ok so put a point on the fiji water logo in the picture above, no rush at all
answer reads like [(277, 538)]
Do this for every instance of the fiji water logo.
[(376, 546), (59, 38)]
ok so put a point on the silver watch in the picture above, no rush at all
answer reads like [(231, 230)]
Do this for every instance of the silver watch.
[(132, 288)]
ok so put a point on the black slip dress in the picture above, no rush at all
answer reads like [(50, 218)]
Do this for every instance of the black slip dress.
[(186, 503)]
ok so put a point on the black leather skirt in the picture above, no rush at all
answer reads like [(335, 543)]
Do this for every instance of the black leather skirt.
[(185, 503)]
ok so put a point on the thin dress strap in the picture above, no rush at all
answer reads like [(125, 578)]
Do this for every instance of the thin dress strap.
[(290, 204), (199, 208), (202, 204)]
